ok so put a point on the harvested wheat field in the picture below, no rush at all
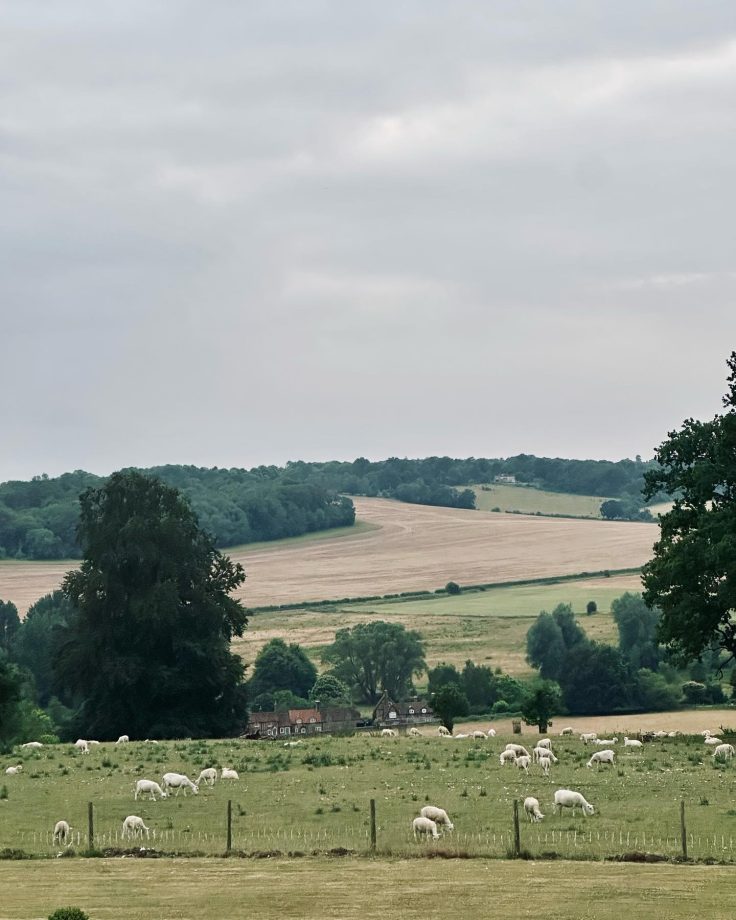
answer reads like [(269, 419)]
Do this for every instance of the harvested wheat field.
[(408, 548)]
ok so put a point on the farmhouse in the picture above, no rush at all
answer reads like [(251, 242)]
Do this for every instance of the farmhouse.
[(411, 712), (508, 478), (315, 721)]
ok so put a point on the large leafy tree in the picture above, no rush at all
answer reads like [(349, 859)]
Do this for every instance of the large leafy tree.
[(549, 639), (9, 623), (596, 679), (35, 643), (279, 666), (330, 691), (378, 656), (148, 648), (449, 702), (637, 630), (11, 684), (692, 575), (541, 702)]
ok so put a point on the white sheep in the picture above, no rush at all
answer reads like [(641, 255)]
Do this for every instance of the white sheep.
[(491, 732), (444, 732), (711, 739), (153, 789), (93, 742), (123, 739), (632, 743), (461, 735), (586, 737), (62, 833), (523, 761), (388, 733), (531, 807), (179, 782), (566, 798), (605, 742), (414, 732), (542, 752), (706, 732), (81, 745), (438, 815), (424, 826), (507, 757), (545, 763), (481, 736), (601, 757), (518, 749), (13, 771), (32, 745), (293, 744), (207, 776), (133, 826), (659, 735), (226, 773), (544, 743), (726, 751), (567, 730)]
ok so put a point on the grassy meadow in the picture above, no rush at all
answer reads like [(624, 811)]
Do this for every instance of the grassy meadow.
[(487, 626), (350, 889), (528, 500), (315, 797)]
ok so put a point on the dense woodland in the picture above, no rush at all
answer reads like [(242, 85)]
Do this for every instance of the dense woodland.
[(38, 518)]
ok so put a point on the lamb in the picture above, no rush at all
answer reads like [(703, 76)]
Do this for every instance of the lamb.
[(123, 739), (479, 735), (438, 815), (149, 786), (491, 732), (207, 777), (545, 763), (13, 771), (133, 826), (601, 757), (179, 782), (531, 807), (586, 737), (62, 833), (444, 732), (388, 733), (566, 798), (523, 761), (32, 745), (632, 743), (424, 826), (726, 751), (567, 730), (226, 773), (507, 757), (414, 732), (518, 749), (81, 745)]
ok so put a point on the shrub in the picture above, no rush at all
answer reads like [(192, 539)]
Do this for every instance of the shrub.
[(500, 706), (591, 607), (452, 587), (69, 913)]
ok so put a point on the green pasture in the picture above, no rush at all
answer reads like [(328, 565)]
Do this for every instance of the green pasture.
[(315, 797), (528, 500), (350, 889)]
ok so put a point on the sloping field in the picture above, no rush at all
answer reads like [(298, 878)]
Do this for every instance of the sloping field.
[(413, 547), (528, 500)]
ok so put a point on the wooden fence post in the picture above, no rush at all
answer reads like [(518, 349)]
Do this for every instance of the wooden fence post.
[(373, 825), (90, 826), (683, 829), (229, 826), (517, 832)]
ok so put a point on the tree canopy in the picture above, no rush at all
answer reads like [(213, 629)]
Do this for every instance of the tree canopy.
[(550, 638), (147, 649), (36, 642), (637, 630), (542, 700), (9, 624), (692, 575), (448, 703), (279, 666), (378, 656)]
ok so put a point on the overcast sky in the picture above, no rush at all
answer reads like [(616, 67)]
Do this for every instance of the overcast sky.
[(235, 233)]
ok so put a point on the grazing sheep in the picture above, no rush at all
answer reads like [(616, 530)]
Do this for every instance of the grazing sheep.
[(414, 732), (462, 735), (481, 736), (706, 733), (226, 773), (566, 798), (711, 739), (62, 833), (567, 730), (605, 742), (425, 826), (674, 734), (13, 771), (523, 761), (540, 752), (544, 743), (632, 743), (438, 815), (444, 732), (586, 737), (517, 749), (179, 782), (388, 733), (32, 745), (531, 807), (207, 777), (152, 788), (123, 739), (659, 735), (491, 732), (726, 751), (133, 826), (601, 757), (93, 742), (507, 757), (81, 745), (545, 763)]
